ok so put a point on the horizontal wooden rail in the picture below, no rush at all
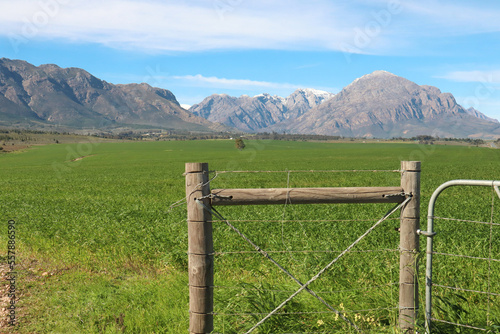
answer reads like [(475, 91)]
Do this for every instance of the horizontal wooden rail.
[(307, 195)]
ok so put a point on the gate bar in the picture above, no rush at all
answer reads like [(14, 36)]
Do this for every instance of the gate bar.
[(430, 233), (307, 195)]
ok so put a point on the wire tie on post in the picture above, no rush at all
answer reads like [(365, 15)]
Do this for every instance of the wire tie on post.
[(426, 234)]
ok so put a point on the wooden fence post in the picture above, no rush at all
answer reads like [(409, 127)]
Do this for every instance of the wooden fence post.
[(200, 250), (409, 247)]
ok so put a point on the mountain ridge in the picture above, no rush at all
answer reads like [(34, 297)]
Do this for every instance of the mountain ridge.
[(48, 95), (379, 104), (252, 114)]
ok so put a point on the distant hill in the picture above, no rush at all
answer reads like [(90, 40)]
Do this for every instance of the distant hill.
[(380, 105), (478, 114), (75, 99), (252, 114)]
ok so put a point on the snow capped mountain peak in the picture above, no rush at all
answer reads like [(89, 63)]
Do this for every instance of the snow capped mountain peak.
[(319, 94), (262, 95), (272, 98), (313, 97), (314, 91)]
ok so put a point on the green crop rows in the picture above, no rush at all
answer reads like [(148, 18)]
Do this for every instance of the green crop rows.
[(99, 250)]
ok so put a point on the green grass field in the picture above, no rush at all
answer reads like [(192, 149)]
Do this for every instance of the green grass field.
[(99, 250)]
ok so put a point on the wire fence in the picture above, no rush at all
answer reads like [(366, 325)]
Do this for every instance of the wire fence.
[(244, 301), (276, 239)]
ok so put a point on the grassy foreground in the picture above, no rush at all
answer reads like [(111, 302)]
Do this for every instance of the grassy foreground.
[(99, 251)]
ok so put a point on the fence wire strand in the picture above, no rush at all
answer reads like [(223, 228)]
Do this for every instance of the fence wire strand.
[(466, 290), (467, 256), (460, 325), (465, 221), (312, 171), (309, 251), (296, 220)]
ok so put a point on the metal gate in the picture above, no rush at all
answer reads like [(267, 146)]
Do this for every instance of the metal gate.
[(430, 233)]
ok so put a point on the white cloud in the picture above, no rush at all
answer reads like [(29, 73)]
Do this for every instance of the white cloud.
[(453, 17), (485, 77), (171, 26), (199, 80), (358, 26), (483, 92)]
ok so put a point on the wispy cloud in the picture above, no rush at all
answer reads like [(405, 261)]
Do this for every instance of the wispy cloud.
[(483, 94), (486, 77), (458, 17), (173, 26), (199, 80), (375, 26)]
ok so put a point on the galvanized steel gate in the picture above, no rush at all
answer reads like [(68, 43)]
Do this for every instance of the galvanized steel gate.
[(430, 235)]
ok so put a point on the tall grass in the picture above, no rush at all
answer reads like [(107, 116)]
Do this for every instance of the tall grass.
[(101, 252)]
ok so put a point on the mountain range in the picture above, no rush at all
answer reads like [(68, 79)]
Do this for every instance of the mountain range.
[(48, 96), (379, 104), (252, 114)]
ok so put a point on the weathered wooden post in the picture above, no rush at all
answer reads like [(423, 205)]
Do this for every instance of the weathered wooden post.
[(409, 247), (200, 249)]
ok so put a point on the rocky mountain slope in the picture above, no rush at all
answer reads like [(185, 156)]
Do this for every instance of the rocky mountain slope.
[(472, 111), (384, 105), (74, 98), (252, 114)]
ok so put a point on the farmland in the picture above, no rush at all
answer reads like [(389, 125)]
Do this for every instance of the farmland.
[(99, 250)]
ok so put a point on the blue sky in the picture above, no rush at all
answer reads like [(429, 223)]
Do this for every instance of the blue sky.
[(196, 48)]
